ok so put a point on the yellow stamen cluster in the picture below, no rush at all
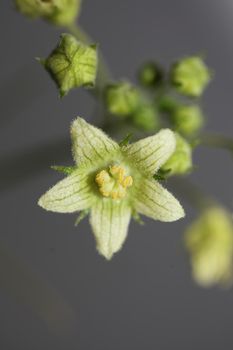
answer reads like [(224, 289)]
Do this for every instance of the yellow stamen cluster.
[(113, 183)]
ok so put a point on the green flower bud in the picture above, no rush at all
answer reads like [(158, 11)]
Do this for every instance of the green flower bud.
[(181, 160), (145, 117), (190, 76), (121, 99), (34, 8), (187, 119), (72, 64), (59, 12), (209, 240), (150, 74)]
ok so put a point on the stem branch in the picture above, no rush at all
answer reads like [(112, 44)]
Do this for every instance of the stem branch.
[(214, 140), (193, 194)]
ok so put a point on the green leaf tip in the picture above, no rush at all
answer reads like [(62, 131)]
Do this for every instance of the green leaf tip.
[(162, 174), (137, 218), (81, 216), (126, 140), (67, 170)]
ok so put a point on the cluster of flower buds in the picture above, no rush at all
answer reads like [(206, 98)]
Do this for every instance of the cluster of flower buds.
[(188, 77)]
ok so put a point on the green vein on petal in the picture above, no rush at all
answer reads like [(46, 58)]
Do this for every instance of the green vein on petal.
[(151, 153), (109, 220), (90, 144), (154, 201), (69, 195)]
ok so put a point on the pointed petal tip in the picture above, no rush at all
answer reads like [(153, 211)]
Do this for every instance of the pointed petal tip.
[(44, 203), (178, 214), (169, 135), (107, 255), (76, 121), (154, 201), (153, 151), (41, 202)]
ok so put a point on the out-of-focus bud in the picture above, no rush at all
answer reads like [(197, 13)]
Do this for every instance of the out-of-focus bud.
[(190, 76), (72, 64), (187, 119), (146, 117), (209, 241), (59, 12), (121, 99), (181, 160), (150, 74), (34, 8)]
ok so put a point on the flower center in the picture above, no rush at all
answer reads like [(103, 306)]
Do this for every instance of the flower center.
[(113, 182)]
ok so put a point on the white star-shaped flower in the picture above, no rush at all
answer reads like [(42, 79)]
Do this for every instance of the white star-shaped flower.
[(112, 182)]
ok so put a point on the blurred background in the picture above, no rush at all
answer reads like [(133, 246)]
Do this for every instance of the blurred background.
[(56, 292)]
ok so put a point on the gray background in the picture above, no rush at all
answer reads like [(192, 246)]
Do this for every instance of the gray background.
[(56, 292)]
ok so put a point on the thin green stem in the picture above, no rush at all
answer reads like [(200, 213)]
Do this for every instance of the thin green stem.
[(215, 140), (193, 194)]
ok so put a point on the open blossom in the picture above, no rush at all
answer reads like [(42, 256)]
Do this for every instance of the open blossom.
[(112, 182)]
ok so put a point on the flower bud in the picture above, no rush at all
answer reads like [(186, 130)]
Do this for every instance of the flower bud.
[(121, 99), (59, 12), (209, 240), (145, 117), (181, 160), (190, 76), (72, 64), (150, 74), (187, 119)]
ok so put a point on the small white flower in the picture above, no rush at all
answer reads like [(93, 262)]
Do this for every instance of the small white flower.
[(112, 182)]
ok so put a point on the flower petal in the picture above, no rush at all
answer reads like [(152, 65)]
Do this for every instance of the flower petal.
[(154, 201), (109, 220), (90, 144), (69, 195), (151, 153)]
